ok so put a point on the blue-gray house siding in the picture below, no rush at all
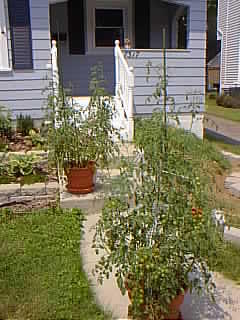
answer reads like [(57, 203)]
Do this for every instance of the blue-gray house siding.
[(23, 91), (185, 68)]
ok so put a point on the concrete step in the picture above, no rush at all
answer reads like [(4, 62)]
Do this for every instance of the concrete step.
[(91, 203)]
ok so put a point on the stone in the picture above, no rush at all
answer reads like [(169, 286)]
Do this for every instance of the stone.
[(21, 199), (34, 189), (9, 189), (52, 187)]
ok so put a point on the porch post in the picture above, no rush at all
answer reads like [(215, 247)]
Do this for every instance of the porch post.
[(117, 67), (55, 73), (131, 105)]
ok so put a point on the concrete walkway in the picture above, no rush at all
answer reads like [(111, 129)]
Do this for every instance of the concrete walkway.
[(226, 130), (108, 295)]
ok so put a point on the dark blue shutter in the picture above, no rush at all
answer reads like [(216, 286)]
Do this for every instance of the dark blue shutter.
[(142, 24), (21, 35), (76, 27)]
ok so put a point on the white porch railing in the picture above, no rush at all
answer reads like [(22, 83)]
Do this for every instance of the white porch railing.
[(55, 71), (124, 88), (55, 93)]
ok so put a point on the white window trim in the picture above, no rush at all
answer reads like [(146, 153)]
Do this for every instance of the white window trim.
[(91, 6), (4, 56)]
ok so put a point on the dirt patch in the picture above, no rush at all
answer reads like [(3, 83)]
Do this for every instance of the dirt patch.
[(22, 207)]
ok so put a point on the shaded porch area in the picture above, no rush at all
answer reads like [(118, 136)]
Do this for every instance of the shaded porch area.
[(86, 31)]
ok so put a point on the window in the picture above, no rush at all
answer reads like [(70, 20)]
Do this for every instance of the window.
[(4, 61), (108, 27)]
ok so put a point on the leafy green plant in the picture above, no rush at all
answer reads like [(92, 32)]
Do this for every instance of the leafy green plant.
[(77, 135), (24, 124), (21, 165), (156, 229), (37, 139), (5, 124)]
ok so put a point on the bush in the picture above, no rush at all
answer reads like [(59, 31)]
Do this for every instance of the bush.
[(24, 124), (212, 95), (5, 124), (220, 100), (228, 101)]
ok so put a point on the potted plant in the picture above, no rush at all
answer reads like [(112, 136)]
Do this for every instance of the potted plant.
[(82, 138), (156, 231)]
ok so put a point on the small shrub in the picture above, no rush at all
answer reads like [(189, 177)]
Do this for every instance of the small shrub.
[(231, 102), (5, 124), (212, 95), (24, 124), (21, 165), (37, 140), (228, 101), (220, 100)]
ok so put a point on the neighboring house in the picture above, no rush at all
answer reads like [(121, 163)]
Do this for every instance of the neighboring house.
[(229, 34), (85, 31), (214, 72)]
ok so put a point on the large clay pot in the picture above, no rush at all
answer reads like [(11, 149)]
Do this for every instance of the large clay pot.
[(80, 180), (174, 307)]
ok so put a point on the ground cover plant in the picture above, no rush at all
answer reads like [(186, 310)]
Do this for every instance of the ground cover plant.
[(41, 271), (222, 145), (24, 169), (228, 261)]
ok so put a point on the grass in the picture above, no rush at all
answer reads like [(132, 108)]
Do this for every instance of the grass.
[(226, 113), (219, 144), (41, 273), (228, 261)]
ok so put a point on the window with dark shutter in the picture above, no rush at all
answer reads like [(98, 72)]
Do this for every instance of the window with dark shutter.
[(21, 35), (76, 27), (142, 24)]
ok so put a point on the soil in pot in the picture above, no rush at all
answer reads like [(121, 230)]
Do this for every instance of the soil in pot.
[(80, 180)]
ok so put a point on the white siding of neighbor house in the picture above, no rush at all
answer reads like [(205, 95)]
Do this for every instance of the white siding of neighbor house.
[(23, 91), (185, 68), (229, 29)]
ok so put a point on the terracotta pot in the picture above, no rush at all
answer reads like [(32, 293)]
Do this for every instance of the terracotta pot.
[(174, 307), (80, 180)]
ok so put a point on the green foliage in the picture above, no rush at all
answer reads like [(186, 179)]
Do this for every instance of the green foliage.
[(37, 139), (21, 165), (226, 113), (41, 270), (5, 124), (79, 135), (157, 227), (228, 101), (24, 124), (212, 95), (228, 261)]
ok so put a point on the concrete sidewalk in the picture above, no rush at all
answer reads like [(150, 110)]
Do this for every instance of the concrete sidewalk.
[(226, 130), (108, 295)]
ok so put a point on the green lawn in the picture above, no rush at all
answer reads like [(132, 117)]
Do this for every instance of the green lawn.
[(41, 274), (226, 113), (228, 262), (219, 144)]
